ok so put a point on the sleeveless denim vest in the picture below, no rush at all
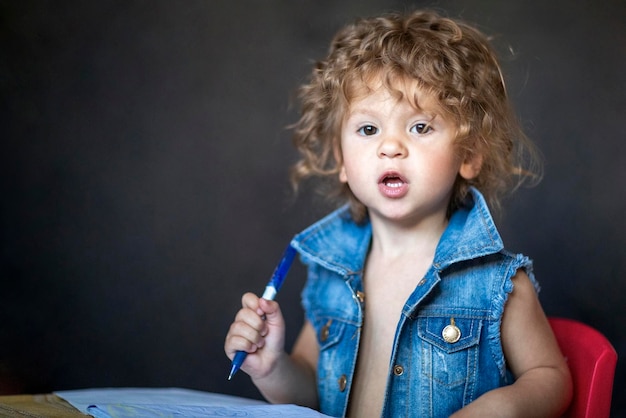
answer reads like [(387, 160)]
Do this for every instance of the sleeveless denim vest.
[(447, 349)]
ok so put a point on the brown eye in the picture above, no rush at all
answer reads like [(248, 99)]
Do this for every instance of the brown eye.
[(421, 128), (368, 130)]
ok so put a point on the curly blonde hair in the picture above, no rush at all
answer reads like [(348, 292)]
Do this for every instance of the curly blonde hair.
[(450, 60)]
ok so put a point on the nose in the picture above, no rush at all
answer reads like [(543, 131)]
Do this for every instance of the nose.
[(392, 147)]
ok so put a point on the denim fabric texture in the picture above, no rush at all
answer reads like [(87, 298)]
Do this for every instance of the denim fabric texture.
[(466, 287)]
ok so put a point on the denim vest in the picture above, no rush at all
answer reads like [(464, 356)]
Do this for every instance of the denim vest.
[(447, 349)]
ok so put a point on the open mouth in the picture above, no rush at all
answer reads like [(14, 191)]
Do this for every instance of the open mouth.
[(393, 185), (392, 179)]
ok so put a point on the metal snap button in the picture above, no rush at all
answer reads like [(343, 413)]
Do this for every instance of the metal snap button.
[(360, 296), (451, 333), (398, 370), (342, 381), (325, 331)]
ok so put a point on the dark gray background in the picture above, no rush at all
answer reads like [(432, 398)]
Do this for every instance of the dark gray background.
[(144, 174)]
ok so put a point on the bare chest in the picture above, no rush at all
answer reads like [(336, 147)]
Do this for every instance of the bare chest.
[(386, 291)]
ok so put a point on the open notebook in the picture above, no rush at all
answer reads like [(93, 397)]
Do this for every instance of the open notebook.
[(169, 402)]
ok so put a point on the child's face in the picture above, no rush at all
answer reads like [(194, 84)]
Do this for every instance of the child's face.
[(400, 161)]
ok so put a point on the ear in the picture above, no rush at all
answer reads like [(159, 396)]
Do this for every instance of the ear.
[(470, 168), (343, 176)]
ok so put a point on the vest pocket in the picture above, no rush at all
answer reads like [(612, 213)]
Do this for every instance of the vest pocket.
[(329, 331), (449, 348), (334, 362)]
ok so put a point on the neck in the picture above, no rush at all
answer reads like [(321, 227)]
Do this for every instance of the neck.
[(393, 240)]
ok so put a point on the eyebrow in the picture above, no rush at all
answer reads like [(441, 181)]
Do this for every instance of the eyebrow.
[(365, 111)]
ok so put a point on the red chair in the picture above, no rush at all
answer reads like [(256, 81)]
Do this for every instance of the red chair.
[(591, 359)]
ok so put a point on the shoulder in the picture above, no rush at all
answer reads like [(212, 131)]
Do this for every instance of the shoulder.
[(335, 242)]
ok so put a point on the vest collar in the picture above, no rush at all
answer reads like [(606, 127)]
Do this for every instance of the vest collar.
[(339, 244)]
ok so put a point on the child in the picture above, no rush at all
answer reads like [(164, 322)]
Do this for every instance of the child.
[(413, 307)]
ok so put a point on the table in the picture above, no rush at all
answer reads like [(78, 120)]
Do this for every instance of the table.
[(44, 406)]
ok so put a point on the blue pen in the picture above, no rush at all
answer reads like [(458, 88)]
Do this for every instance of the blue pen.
[(270, 292)]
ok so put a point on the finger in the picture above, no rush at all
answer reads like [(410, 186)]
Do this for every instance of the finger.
[(243, 338), (245, 330), (253, 302), (236, 343), (252, 318), (250, 300)]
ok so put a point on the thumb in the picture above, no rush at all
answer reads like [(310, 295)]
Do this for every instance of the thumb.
[(274, 333), (271, 312)]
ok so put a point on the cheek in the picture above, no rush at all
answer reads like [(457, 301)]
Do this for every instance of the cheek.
[(440, 167), (340, 157)]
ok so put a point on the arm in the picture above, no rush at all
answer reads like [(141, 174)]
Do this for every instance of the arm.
[(280, 378), (543, 385)]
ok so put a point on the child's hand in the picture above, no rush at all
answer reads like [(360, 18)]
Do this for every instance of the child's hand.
[(258, 329)]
